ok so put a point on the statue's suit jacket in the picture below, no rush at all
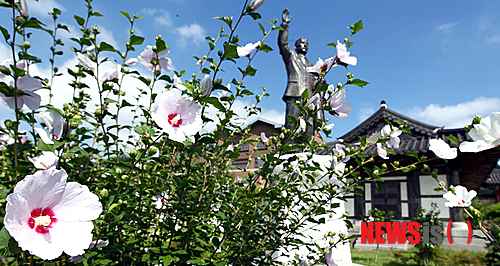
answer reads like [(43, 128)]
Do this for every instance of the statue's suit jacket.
[(298, 77)]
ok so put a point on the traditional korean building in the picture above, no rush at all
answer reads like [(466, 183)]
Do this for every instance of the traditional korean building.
[(404, 193)]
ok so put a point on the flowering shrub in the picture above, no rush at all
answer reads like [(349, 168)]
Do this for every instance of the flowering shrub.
[(160, 190)]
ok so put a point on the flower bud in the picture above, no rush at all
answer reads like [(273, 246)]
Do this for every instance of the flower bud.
[(104, 193), (133, 152), (396, 163), (152, 151), (118, 171), (26, 44), (477, 119), (8, 123), (251, 173)]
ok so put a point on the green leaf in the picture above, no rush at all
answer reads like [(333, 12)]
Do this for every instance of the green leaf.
[(359, 82), (262, 29), (109, 100), (29, 57), (305, 94), (136, 40), (125, 104), (227, 20), (79, 20), (412, 154), (76, 149), (33, 23), (265, 48), (332, 44), (106, 47), (230, 51), (14, 247), (125, 14), (453, 140), (5, 33), (144, 129), (250, 71), (45, 147), (161, 45), (215, 102), (246, 92), (357, 26), (4, 237), (255, 15)]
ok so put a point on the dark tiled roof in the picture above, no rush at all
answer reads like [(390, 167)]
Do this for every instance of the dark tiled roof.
[(365, 128), (493, 177), (473, 167)]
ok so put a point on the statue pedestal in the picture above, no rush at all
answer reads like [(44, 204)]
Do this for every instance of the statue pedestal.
[(315, 233)]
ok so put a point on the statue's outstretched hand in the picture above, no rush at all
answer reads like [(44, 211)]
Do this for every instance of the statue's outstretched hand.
[(286, 16)]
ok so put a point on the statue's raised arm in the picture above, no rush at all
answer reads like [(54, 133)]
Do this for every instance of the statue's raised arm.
[(283, 35), (286, 16)]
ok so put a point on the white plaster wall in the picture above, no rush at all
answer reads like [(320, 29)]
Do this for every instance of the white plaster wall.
[(404, 193), (428, 183), (404, 209), (368, 191), (445, 211), (349, 205)]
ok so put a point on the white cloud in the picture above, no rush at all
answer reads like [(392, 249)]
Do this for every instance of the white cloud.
[(364, 113), (5, 52), (447, 27), (239, 108), (43, 7), (446, 31), (161, 16), (193, 33), (107, 36), (455, 116), (493, 39)]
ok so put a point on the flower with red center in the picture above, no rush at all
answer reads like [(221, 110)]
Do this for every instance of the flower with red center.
[(394, 140), (460, 198), (322, 67), (381, 151), (442, 149), (46, 215), (176, 114), (55, 124), (112, 73), (26, 95), (247, 49), (44, 161), (344, 56), (485, 134), (160, 201), (336, 99), (155, 62)]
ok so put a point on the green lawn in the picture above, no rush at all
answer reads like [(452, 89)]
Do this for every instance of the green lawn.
[(387, 258)]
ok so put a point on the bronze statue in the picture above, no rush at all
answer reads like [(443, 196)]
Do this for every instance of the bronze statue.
[(299, 79)]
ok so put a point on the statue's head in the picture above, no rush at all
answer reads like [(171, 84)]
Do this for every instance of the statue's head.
[(301, 46)]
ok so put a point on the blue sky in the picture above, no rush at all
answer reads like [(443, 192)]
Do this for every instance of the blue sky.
[(435, 61)]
